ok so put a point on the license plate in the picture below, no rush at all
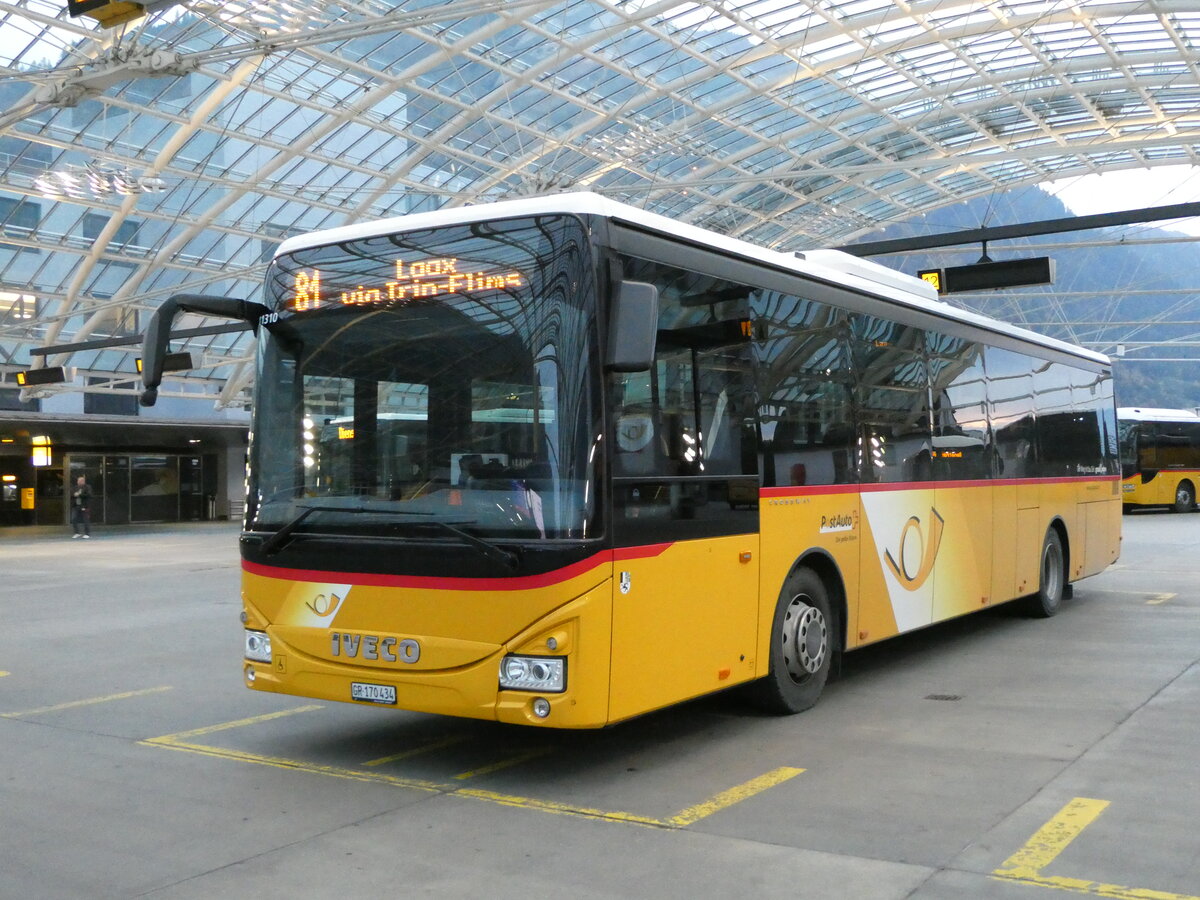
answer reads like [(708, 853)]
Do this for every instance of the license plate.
[(373, 693)]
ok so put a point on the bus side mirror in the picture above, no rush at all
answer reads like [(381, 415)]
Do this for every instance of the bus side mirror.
[(158, 332), (634, 327)]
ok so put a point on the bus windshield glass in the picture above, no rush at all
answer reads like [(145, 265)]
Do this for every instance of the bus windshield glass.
[(443, 380), (1128, 433)]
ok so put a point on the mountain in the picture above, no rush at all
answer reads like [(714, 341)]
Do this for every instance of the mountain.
[(1103, 296)]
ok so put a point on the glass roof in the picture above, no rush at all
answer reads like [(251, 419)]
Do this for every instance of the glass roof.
[(174, 152)]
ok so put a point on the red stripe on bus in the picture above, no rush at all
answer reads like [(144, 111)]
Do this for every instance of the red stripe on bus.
[(433, 582), (644, 552), (1158, 472)]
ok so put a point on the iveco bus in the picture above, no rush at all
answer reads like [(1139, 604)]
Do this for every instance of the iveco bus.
[(561, 462)]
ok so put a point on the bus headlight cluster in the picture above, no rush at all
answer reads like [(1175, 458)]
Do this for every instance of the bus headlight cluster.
[(547, 674), (258, 646)]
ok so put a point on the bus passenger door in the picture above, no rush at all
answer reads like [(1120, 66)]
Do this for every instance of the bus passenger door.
[(684, 608), (964, 579), (685, 523)]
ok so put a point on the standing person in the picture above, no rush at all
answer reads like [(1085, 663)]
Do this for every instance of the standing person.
[(81, 509)]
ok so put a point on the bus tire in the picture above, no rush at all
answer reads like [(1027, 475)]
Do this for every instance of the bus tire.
[(1052, 578), (803, 643), (1185, 497)]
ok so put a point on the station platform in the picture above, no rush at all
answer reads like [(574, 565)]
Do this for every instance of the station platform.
[(995, 757)]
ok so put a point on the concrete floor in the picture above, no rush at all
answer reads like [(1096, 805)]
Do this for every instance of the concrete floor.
[(993, 757)]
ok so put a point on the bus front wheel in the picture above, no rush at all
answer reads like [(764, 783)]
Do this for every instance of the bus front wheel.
[(1185, 497), (803, 641), (1052, 580)]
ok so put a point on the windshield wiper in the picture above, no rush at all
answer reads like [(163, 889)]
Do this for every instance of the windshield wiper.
[(493, 552), (280, 538)]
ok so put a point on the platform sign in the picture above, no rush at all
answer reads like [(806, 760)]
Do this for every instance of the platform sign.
[(990, 276), (933, 276)]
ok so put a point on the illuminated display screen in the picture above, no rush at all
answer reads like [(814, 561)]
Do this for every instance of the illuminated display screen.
[(412, 280)]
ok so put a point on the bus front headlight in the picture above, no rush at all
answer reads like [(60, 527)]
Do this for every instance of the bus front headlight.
[(546, 674), (258, 646)]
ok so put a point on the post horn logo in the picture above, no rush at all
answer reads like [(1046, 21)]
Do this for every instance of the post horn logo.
[(324, 606), (929, 549)]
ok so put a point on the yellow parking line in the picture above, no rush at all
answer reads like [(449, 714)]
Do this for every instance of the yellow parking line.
[(734, 795), (725, 799), (418, 751), (503, 764), (225, 726), (1096, 889), (1155, 598), (1025, 866), (89, 702), (171, 742), (1052, 838), (548, 806), (2, 674)]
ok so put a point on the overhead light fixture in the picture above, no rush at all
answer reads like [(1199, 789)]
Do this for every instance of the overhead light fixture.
[(282, 15), (111, 13), (15, 305), (95, 181), (46, 375), (42, 454)]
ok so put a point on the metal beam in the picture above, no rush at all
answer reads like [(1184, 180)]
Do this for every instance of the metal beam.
[(1030, 229), (136, 341)]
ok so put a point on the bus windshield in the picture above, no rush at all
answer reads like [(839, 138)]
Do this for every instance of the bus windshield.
[(445, 381), (1128, 434)]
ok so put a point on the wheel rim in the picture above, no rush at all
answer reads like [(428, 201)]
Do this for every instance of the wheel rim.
[(805, 638), (1052, 573), (1183, 497)]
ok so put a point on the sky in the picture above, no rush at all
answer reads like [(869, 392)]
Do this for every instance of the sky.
[(1132, 189)]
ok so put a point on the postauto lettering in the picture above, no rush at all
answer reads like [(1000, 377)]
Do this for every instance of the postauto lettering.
[(372, 646)]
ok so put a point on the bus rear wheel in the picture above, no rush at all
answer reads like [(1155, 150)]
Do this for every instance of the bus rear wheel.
[(1185, 497), (1052, 579), (803, 641)]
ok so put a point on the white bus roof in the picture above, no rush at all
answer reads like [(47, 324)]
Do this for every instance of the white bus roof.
[(1147, 414), (827, 265)]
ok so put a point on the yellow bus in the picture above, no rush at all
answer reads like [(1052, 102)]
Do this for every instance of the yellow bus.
[(561, 462), (1160, 457)]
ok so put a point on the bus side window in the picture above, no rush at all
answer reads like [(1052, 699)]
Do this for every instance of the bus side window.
[(892, 400), (962, 445), (805, 406), (640, 449), (1010, 410)]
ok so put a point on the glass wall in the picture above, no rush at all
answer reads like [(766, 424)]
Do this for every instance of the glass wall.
[(152, 487)]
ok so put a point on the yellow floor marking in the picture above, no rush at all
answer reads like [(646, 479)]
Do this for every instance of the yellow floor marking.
[(1051, 839), (549, 806), (418, 751), (725, 799), (1155, 598), (169, 742), (89, 702), (503, 764), (225, 726), (2, 674), (733, 795)]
